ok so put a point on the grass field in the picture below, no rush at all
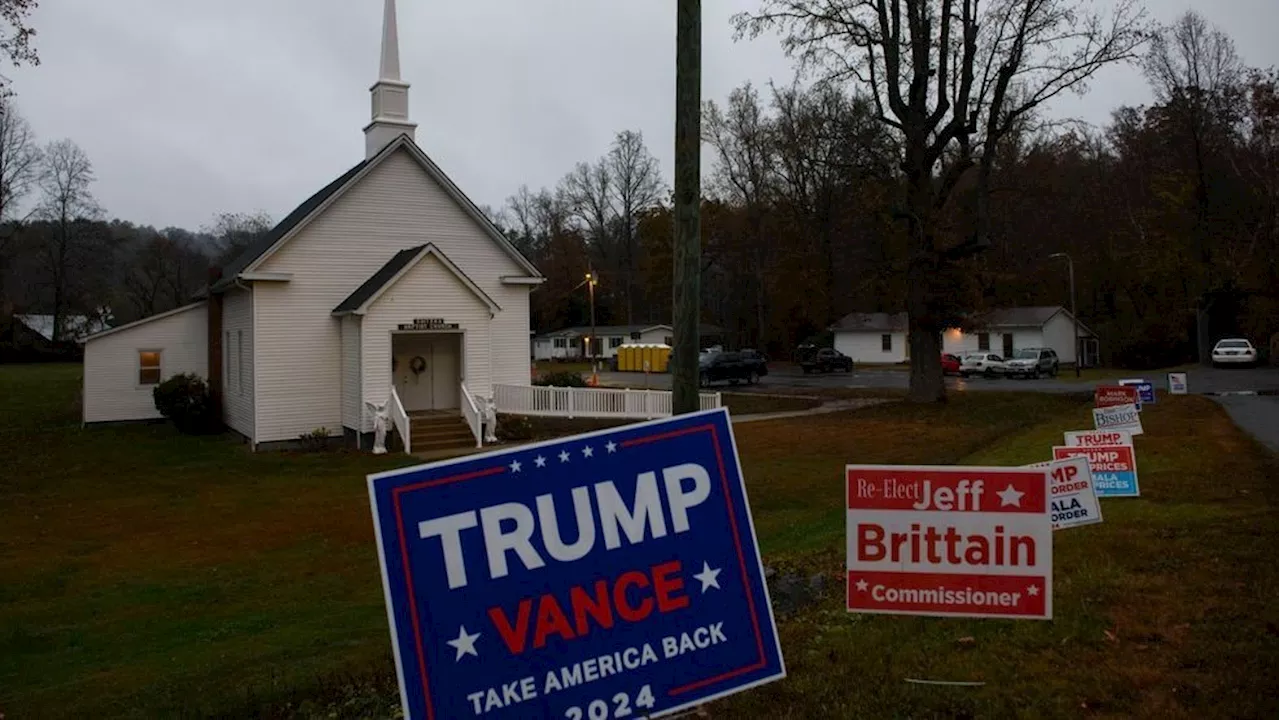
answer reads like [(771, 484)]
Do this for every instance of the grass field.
[(145, 574)]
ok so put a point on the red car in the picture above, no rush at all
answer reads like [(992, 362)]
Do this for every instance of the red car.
[(950, 364)]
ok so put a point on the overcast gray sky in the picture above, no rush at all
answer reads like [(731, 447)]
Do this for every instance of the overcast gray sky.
[(188, 108)]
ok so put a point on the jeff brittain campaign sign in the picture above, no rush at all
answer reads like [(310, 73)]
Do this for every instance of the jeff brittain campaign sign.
[(607, 575), (950, 541)]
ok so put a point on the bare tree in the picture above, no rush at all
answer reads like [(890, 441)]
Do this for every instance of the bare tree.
[(19, 167), (233, 232), (1195, 72), (19, 159), (636, 186), (15, 36), (585, 192), (69, 206), (951, 78), (741, 137), (535, 218)]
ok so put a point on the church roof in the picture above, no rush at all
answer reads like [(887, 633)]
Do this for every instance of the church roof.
[(308, 209), (265, 243), (395, 268), (378, 280)]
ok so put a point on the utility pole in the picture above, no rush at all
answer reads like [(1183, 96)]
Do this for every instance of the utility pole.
[(687, 247), (1075, 320)]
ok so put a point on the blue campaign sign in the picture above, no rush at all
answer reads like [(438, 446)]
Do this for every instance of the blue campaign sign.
[(608, 575), (1146, 391)]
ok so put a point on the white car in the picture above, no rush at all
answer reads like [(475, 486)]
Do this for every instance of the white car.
[(985, 364), (1234, 351)]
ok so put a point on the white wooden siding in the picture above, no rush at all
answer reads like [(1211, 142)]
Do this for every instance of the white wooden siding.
[(111, 388), (864, 346), (396, 206), (1059, 334), (237, 390), (958, 343), (427, 290), (352, 401), (1022, 338)]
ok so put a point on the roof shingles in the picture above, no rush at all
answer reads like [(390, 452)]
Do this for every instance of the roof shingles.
[(378, 279)]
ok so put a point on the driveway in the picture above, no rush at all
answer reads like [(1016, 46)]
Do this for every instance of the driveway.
[(1236, 388)]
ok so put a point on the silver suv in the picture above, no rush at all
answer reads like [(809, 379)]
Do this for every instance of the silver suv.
[(1032, 363)]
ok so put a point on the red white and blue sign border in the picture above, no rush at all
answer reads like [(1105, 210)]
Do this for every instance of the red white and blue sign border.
[(492, 464)]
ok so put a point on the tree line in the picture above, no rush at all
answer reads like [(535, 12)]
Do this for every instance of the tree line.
[(61, 256), (841, 192)]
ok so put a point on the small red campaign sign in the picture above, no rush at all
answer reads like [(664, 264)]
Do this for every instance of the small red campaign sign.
[(1097, 438), (949, 541), (1108, 395)]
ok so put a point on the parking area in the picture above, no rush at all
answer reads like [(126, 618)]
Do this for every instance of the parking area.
[(1199, 380), (1247, 394)]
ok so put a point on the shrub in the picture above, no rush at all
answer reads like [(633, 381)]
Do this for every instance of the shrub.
[(184, 399), (315, 441), (561, 378)]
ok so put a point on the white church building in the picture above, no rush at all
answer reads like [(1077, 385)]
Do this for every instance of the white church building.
[(386, 282)]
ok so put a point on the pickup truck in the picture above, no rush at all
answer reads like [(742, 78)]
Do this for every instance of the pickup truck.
[(825, 360), (731, 367)]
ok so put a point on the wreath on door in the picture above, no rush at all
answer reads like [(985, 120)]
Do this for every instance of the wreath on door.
[(418, 364)]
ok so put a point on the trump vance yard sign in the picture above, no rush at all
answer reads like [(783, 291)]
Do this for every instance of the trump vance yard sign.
[(607, 575)]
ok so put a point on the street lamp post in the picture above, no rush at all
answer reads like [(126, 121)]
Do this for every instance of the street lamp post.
[(591, 341), (1075, 320)]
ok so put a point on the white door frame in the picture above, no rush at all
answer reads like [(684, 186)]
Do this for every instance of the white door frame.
[(462, 348)]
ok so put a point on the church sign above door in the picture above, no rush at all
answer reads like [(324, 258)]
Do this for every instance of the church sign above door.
[(428, 324)]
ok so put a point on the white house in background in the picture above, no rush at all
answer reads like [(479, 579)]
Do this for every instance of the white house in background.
[(571, 343), (1006, 330), (872, 337), (882, 337), (387, 278)]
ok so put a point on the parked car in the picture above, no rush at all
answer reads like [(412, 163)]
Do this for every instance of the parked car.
[(731, 367), (984, 364), (1032, 363), (826, 360), (756, 359), (950, 364), (1234, 351)]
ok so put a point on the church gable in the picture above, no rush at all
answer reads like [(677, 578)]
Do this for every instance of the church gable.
[(398, 200)]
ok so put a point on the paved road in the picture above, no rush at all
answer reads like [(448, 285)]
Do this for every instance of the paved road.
[(1255, 414)]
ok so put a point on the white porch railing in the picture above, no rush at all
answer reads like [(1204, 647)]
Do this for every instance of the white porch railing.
[(589, 402), (399, 418), (471, 413)]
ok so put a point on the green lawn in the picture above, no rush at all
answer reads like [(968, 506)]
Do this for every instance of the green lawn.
[(145, 574)]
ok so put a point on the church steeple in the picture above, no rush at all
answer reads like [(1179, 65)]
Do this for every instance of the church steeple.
[(390, 93)]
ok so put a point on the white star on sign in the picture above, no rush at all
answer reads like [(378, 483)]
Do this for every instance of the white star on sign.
[(611, 446), (1010, 496), (564, 456), (862, 585), (540, 461), (465, 644), (587, 451), (708, 577), (515, 466), (1032, 590)]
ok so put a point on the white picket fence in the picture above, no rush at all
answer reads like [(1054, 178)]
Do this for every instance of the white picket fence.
[(589, 402)]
